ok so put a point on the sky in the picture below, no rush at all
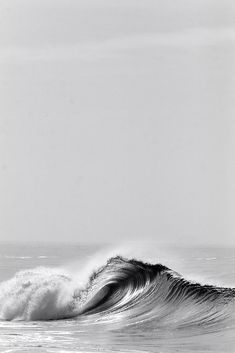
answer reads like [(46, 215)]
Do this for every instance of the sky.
[(117, 121)]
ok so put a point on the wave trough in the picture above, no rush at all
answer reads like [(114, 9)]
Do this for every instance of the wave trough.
[(123, 290)]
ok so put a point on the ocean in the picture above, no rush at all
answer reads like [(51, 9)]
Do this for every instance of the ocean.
[(103, 298)]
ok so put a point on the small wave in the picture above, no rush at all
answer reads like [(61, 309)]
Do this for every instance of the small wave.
[(27, 257), (17, 257), (123, 290)]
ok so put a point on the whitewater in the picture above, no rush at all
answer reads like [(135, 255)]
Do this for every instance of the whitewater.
[(83, 299)]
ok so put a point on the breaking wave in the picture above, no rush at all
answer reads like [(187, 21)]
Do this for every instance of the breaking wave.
[(126, 291)]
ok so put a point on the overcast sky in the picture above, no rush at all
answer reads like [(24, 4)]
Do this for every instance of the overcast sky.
[(117, 120)]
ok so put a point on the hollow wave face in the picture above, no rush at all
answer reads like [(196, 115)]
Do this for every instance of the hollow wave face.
[(122, 291)]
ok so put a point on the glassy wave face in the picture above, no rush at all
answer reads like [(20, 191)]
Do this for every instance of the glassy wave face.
[(122, 292)]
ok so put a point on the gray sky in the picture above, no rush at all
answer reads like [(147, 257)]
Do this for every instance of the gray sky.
[(117, 120)]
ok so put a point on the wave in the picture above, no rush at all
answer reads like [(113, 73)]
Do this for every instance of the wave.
[(122, 291)]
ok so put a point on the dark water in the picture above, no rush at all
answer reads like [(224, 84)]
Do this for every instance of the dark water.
[(98, 299)]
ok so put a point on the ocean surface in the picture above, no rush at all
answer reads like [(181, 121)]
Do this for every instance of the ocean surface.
[(103, 298)]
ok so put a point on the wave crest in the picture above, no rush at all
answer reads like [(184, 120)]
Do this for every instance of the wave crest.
[(123, 290)]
